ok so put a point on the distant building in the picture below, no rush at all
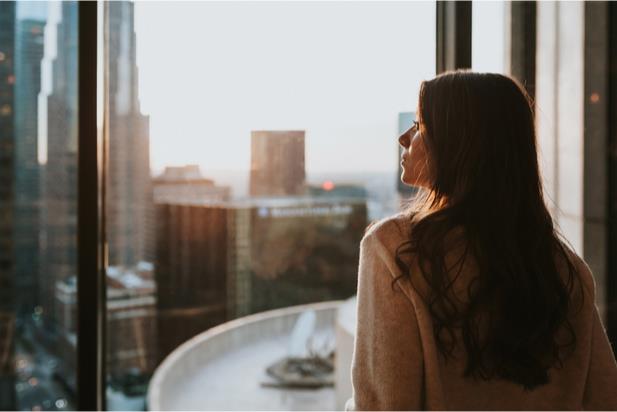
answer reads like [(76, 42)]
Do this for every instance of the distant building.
[(405, 121), (28, 54), (7, 198), (218, 262), (131, 321), (277, 163), (129, 191), (186, 184), (59, 197), (7, 144), (191, 271)]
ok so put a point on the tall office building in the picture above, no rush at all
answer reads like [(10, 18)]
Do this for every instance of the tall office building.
[(190, 271), (129, 206), (7, 198), (218, 262), (28, 54), (59, 197), (277, 163)]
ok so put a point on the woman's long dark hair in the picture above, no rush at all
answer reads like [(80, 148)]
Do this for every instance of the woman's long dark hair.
[(478, 129)]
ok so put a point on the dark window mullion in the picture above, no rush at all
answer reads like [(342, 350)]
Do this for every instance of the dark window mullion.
[(90, 280), (453, 41), (523, 37), (611, 295)]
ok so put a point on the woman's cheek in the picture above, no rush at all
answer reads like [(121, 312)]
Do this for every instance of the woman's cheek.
[(418, 173), (409, 171)]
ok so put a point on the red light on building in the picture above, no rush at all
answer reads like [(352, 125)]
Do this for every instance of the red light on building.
[(595, 98), (327, 186)]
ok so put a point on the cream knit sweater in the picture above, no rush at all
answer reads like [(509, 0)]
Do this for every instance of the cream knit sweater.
[(396, 365)]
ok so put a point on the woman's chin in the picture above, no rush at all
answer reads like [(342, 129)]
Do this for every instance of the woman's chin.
[(412, 181), (406, 180)]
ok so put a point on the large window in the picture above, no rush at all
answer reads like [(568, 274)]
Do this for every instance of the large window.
[(250, 144)]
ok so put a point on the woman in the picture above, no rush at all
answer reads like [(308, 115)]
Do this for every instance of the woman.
[(469, 300)]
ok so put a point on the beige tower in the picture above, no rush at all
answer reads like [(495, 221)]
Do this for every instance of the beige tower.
[(277, 163)]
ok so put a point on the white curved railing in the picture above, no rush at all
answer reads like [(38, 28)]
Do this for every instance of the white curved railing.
[(172, 378)]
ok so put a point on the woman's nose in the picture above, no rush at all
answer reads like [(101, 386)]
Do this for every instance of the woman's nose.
[(405, 139)]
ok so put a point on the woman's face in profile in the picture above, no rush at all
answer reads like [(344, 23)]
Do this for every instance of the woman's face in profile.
[(414, 159)]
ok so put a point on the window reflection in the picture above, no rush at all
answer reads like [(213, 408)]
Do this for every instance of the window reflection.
[(38, 60)]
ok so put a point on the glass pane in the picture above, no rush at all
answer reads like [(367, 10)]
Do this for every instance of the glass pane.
[(571, 126), (38, 164), (488, 36), (250, 145), (131, 321)]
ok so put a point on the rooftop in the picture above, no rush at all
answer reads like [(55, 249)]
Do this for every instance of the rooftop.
[(224, 368), (182, 174)]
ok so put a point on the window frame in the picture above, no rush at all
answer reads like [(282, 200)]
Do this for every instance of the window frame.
[(611, 146), (90, 210), (453, 37)]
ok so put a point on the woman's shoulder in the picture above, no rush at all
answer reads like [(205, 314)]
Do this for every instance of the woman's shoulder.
[(580, 266), (389, 231)]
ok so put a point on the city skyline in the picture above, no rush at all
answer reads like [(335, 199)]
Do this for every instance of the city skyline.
[(181, 135)]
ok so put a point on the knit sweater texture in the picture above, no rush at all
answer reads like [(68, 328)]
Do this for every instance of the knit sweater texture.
[(397, 366)]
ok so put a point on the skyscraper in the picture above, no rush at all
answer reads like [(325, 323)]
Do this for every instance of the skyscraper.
[(28, 54), (7, 197), (59, 209), (7, 144), (277, 163), (129, 206)]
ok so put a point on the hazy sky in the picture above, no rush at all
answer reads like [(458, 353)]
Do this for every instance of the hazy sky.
[(212, 72)]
